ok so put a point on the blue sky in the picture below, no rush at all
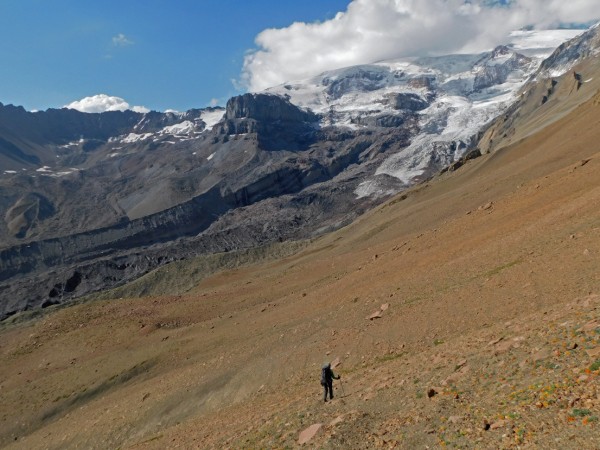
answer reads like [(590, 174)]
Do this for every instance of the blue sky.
[(181, 54), (173, 54)]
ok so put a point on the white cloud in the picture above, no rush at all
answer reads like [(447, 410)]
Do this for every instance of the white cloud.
[(120, 40), (372, 30), (214, 102), (102, 103)]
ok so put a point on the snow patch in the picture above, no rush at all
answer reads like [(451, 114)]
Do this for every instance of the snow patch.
[(185, 127), (211, 118), (134, 137), (211, 156)]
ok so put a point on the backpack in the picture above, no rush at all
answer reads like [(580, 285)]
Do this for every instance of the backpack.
[(324, 376)]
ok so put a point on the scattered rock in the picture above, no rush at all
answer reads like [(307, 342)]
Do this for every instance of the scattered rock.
[(486, 425), (590, 326), (385, 306), (309, 433), (503, 347), (495, 341), (453, 378), (498, 424), (593, 352), (431, 392), (454, 419), (375, 315), (460, 365), (338, 419), (541, 354)]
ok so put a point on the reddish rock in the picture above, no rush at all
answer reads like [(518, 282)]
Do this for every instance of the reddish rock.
[(375, 315), (460, 364), (541, 354), (309, 433), (495, 341), (498, 424), (590, 326), (502, 347), (338, 419), (593, 352)]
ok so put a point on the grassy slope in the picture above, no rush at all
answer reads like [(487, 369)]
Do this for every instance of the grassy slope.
[(507, 247)]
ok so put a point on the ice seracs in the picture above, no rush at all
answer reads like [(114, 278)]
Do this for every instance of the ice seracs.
[(453, 96)]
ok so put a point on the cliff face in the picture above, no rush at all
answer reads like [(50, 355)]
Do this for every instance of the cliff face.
[(267, 108), (279, 124), (171, 186)]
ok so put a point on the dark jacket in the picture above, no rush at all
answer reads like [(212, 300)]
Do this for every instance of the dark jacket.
[(327, 375)]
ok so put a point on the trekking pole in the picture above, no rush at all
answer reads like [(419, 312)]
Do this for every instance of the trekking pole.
[(342, 386)]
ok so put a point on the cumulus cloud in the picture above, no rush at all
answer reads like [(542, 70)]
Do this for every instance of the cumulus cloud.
[(102, 103), (373, 30), (120, 40)]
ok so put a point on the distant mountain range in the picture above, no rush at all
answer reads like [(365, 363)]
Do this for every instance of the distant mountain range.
[(91, 201)]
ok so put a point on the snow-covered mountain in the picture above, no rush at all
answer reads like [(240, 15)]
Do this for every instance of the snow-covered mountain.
[(454, 96), (90, 201)]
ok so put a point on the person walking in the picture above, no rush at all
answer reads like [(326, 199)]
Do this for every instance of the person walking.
[(327, 377)]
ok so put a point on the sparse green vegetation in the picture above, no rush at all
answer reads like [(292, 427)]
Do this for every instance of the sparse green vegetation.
[(501, 268), (389, 357), (581, 412)]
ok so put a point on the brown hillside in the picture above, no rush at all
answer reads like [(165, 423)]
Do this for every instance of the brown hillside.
[(491, 274)]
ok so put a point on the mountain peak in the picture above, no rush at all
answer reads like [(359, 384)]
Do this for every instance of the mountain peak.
[(265, 107)]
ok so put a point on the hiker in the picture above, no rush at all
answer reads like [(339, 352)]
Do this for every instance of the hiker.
[(327, 377)]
